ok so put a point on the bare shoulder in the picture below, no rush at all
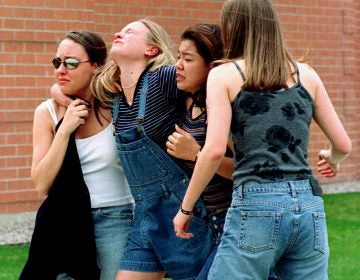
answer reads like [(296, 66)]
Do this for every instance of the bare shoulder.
[(309, 78), (224, 73), (307, 72)]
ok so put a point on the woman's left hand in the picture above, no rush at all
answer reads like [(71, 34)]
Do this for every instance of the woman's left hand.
[(181, 224), (325, 166), (182, 145)]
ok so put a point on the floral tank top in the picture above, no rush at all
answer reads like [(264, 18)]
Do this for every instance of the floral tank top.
[(270, 131)]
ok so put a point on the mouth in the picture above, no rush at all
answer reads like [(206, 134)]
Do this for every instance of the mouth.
[(179, 78), (62, 81)]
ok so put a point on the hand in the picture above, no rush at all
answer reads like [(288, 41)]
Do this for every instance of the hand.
[(74, 116), (182, 145), (326, 167), (59, 96), (181, 224)]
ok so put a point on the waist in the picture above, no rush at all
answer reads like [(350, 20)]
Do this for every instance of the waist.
[(276, 187)]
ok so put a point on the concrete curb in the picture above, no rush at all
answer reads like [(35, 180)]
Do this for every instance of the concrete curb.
[(18, 228)]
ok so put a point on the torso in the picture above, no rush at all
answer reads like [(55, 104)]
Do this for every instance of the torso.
[(164, 108), (270, 131)]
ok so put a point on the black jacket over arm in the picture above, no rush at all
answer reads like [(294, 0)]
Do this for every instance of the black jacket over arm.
[(63, 238)]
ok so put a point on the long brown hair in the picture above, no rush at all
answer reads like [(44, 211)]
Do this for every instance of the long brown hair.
[(251, 30)]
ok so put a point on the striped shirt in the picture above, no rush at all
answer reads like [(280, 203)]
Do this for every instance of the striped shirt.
[(217, 195), (165, 106)]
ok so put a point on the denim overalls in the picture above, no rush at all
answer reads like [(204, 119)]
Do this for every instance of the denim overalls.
[(158, 186)]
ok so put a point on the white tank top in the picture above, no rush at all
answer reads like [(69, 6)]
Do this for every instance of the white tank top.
[(101, 166)]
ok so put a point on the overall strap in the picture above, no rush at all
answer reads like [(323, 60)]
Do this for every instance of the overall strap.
[(115, 111), (142, 102), (142, 105)]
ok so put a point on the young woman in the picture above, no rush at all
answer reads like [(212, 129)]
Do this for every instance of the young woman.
[(84, 128), (201, 45), (144, 114), (276, 220)]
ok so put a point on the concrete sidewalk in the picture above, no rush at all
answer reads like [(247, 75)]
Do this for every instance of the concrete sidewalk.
[(18, 228)]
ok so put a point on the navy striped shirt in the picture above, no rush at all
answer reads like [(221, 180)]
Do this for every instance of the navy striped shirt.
[(165, 106)]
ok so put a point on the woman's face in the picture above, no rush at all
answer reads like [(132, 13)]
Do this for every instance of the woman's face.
[(191, 69), (131, 42), (74, 81)]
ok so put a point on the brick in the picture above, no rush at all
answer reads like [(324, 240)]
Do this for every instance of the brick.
[(29, 32)]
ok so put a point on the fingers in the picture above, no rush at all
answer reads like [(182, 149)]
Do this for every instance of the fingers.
[(183, 234), (181, 224), (328, 171)]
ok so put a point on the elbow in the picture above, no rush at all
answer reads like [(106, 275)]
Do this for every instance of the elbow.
[(345, 148), (40, 187), (214, 154)]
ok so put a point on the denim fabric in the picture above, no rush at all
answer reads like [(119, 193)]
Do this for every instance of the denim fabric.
[(273, 226), (217, 221), (112, 228), (158, 186)]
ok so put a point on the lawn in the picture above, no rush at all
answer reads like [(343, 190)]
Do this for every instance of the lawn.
[(343, 220)]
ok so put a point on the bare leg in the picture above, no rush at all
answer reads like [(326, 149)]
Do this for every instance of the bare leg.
[(136, 275)]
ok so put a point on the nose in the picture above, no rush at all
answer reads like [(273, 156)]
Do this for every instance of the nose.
[(61, 69), (178, 64), (118, 35)]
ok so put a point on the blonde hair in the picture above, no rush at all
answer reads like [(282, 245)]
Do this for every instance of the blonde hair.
[(251, 30), (105, 81)]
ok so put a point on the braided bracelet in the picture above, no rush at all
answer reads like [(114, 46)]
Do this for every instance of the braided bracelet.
[(186, 212)]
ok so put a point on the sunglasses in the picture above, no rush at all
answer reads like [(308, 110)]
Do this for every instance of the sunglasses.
[(69, 63)]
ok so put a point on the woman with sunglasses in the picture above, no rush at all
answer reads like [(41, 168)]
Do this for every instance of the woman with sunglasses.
[(81, 133)]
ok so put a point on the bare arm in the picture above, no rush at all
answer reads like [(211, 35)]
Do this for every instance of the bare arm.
[(49, 148), (59, 96), (219, 117), (327, 119)]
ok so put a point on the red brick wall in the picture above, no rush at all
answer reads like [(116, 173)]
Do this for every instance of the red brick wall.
[(328, 29)]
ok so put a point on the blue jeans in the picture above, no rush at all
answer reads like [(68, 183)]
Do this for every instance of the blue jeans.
[(112, 227), (217, 221), (273, 226)]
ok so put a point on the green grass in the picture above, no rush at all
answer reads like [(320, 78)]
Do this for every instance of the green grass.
[(12, 259), (343, 221)]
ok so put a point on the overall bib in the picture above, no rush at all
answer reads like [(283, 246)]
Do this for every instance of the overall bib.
[(158, 186)]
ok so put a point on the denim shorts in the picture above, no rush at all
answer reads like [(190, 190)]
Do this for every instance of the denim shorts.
[(277, 227), (153, 245), (112, 228)]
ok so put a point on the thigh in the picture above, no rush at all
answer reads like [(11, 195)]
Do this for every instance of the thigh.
[(250, 241), (112, 228)]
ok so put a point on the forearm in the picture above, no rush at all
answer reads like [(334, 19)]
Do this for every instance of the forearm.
[(206, 166)]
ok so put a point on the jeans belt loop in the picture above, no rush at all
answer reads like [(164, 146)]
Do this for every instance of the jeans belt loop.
[(241, 191), (293, 189)]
